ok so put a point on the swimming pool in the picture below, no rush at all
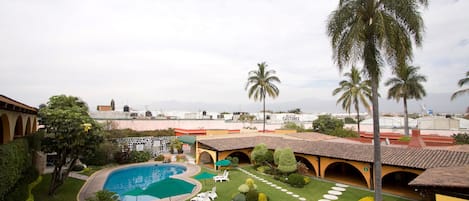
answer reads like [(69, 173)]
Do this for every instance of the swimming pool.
[(134, 180)]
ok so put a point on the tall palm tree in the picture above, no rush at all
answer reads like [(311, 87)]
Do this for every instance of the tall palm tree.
[(461, 83), (355, 90), (261, 82), (406, 85), (373, 31)]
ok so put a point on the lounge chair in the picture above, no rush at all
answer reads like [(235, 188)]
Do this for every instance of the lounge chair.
[(223, 177), (201, 197), (210, 194)]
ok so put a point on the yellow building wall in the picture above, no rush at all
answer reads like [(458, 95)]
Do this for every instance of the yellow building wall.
[(284, 131), (386, 169), (363, 168), (440, 197), (313, 160), (217, 132)]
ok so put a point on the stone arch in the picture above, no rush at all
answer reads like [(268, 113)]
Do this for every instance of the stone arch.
[(345, 172), (243, 157), (397, 182), (206, 158), (312, 169), (28, 126), (5, 129), (34, 124), (19, 131)]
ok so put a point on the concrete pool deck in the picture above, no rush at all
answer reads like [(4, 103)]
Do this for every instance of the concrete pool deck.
[(96, 181)]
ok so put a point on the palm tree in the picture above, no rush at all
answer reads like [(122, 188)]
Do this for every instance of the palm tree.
[(372, 31), (354, 91), (261, 82), (406, 85), (462, 82)]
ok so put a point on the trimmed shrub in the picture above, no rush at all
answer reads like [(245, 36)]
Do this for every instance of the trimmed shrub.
[(263, 169), (234, 161), (258, 154), (78, 167), (15, 159), (239, 197), (296, 180), (122, 157), (287, 161), (102, 156), (104, 195), (404, 139), (243, 188), (159, 158), (21, 190), (367, 198), (139, 156), (263, 197), (252, 195), (307, 180)]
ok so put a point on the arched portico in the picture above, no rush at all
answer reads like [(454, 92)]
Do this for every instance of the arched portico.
[(242, 154), (351, 172), (28, 126), (5, 129), (19, 131), (397, 183), (310, 161)]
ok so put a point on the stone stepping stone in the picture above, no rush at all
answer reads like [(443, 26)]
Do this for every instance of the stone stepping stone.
[(303, 199), (278, 187), (284, 190), (289, 193), (338, 188), (295, 195), (332, 192), (268, 182), (330, 197), (341, 185), (323, 200)]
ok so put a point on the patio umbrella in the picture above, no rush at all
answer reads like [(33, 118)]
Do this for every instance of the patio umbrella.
[(223, 163), (169, 187), (203, 176)]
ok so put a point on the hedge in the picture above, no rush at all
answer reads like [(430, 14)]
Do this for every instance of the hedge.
[(15, 159)]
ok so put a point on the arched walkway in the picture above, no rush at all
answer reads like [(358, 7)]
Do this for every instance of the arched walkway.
[(28, 127), (345, 173), (243, 158), (311, 171), (5, 129), (397, 183), (206, 159), (19, 127), (34, 124)]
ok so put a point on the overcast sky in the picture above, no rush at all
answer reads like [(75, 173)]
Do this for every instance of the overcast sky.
[(196, 54)]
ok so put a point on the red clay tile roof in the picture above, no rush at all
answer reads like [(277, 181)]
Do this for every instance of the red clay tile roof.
[(444, 177), (405, 157)]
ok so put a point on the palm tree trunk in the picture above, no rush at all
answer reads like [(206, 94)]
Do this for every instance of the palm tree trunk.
[(406, 118), (358, 118), (263, 128), (377, 143)]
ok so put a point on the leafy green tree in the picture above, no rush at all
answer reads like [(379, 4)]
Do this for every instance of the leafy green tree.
[(406, 85), (259, 154), (294, 126), (461, 83), (373, 31), (69, 132), (287, 161), (261, 82), (354, 90), (326, 124)]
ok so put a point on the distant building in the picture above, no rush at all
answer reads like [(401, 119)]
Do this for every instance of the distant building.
[(110, 107)]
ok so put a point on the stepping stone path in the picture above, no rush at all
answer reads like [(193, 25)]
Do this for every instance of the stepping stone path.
[(335, 192), (273, 185)]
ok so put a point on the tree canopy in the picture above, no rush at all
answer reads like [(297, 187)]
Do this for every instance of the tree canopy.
[(69, 132)]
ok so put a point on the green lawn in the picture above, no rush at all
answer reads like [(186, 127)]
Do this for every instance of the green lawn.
[(312, 191), (67, 192), (92, 169)]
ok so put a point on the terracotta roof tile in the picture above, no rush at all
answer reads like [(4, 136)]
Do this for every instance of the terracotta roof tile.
[(444, 177), (398, 156)]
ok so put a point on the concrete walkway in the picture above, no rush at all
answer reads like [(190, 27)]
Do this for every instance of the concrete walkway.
[(75, 175)]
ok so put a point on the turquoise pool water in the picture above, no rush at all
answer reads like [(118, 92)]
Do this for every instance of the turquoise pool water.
[(127, 179)]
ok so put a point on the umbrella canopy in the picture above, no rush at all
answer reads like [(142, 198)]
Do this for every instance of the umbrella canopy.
[(134, 192), (169, 187), (204, 175), (223, 163)]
